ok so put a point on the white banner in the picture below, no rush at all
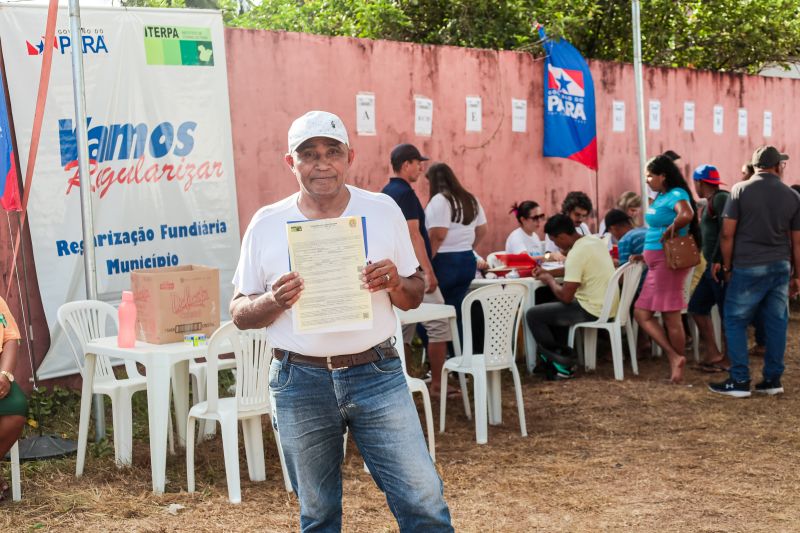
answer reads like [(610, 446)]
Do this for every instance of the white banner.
[(159, 142)]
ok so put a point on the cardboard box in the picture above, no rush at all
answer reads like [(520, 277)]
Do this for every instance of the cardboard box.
[(174, 301)]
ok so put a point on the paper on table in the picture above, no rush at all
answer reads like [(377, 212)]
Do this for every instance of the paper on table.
[(329, 255)]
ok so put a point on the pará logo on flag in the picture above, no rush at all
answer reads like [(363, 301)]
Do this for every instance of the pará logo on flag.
[(566, 81)]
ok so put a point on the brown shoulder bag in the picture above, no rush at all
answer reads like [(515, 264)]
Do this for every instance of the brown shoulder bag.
[(681, 252)]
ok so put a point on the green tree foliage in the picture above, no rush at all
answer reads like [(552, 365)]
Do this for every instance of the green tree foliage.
[(732, 35)]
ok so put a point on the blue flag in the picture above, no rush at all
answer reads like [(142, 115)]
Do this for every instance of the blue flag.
[(9, 197), (570, 128)]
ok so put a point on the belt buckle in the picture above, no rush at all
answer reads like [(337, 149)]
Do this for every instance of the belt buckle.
[(330, 365)]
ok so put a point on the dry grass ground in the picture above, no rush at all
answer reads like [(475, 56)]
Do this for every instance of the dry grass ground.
[(638, 455)]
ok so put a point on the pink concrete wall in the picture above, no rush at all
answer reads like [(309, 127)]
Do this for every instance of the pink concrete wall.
[(275, 77)]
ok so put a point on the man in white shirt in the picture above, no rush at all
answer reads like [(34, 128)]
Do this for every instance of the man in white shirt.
[(325, 383)]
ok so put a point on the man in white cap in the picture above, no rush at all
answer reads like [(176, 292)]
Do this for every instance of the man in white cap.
[(325, 383), (760, 240)]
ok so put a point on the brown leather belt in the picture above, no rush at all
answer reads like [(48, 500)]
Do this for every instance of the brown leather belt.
[(333, 362)]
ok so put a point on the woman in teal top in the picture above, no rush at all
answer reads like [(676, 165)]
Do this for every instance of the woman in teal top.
[(673, 212)]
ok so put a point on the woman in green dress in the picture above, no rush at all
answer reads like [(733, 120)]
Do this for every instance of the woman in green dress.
[(13, 404)]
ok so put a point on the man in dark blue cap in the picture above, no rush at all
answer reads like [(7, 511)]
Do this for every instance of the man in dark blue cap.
[(408, 165)]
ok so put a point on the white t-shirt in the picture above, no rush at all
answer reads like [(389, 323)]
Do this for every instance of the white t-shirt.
[(550, 246), (265, 258), (519, 242), (459, 237)]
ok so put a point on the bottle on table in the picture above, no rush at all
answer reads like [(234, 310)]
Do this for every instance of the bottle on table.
[(126, 336)]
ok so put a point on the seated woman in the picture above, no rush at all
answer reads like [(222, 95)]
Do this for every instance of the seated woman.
[(629, 203), (13, 405), (525, 238)]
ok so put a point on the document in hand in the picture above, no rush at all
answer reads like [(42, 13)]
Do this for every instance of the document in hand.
[(329, 255)]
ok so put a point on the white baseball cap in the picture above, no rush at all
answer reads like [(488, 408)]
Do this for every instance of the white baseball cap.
[(316, 124)]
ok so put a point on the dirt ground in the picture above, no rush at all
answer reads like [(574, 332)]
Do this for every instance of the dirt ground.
[(601, 455)]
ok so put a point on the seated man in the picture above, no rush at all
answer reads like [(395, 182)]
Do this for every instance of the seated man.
[(577, 206), (630, 239), (587, 272)]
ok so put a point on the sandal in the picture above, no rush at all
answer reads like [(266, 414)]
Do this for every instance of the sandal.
[(711, 368)]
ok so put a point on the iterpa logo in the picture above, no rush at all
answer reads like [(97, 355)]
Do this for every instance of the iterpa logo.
[(90, 44)]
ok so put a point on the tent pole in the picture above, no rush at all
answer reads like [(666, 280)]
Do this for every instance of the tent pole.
[(637, 74), (79, 94)]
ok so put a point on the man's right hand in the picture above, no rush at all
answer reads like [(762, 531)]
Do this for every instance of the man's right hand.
[(286, 290), (431, 283)]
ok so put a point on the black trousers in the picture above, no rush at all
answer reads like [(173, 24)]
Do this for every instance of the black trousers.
[(550, 322)]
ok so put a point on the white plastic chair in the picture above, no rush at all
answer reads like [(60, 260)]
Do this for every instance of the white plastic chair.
[(716, 321), (502, 315), (16, 491), (249, 404), (198, 373), (630, 273), (82, 322)]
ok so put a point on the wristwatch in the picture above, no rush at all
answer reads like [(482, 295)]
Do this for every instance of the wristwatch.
[(9, 376), (725, 270)]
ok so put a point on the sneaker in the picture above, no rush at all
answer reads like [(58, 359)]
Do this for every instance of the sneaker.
[(729, 387), (770, 386)]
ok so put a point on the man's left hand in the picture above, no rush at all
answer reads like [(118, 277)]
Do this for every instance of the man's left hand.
[(794, 287), (380, 276), (545, 277)]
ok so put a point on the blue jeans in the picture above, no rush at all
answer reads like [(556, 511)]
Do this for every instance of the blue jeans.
[(313, 406), (455, 272), (757, 291)]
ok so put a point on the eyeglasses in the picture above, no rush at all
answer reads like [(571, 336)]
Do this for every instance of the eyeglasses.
[(537, 217)]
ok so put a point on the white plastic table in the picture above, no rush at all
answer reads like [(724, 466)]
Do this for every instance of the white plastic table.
[(161, 361), (426, 312)]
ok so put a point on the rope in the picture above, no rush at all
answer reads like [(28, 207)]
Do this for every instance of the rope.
[(22, 308)]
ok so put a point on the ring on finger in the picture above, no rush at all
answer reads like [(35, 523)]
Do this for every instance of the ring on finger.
[(388, 278)]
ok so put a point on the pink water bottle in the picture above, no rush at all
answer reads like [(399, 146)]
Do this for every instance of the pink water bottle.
[(126, 337)]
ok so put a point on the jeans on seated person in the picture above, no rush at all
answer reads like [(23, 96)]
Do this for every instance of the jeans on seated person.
[(550, 322), (761, 291), (314, 406)]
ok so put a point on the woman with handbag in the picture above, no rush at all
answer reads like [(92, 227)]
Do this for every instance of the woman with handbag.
[(670, 251)]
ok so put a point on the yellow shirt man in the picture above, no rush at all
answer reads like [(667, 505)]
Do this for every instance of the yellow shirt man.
[(590, 264)]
